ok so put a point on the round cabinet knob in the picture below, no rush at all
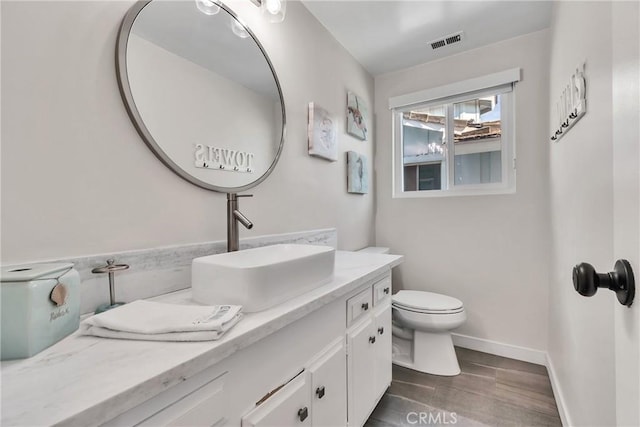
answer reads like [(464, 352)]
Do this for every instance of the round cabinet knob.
[(586, 281), (303, 413), (372, 340), (365, 306), (320, 392)]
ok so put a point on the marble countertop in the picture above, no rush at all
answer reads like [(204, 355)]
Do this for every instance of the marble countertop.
[(85, 380)]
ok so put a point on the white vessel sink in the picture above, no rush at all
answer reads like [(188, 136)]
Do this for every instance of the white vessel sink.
[(262, 277)]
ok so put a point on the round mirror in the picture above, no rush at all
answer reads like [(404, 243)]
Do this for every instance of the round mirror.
[(202, 92)]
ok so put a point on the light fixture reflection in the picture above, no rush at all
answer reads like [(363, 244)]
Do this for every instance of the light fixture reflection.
[(274, 10), (207, 7), (239, 29)]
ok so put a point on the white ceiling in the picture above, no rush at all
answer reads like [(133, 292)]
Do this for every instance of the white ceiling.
[(389, 35)]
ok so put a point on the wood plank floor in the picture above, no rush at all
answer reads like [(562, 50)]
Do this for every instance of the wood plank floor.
[(490, 391)]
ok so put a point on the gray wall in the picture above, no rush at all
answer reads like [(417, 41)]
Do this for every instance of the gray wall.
[(77, 179), (489, 251)]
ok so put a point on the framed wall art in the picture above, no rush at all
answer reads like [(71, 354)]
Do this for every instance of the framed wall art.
[(323, 133), (357, 117), (357, 173)]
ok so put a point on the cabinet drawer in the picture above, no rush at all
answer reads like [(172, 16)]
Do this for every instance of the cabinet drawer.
[(382, 290), (289, 406), (358, 305), (205, 406)]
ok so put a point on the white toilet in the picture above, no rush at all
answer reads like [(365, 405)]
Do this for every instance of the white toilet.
[(422, 322)]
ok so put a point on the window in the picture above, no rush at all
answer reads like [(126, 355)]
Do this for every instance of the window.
[(455, 140)]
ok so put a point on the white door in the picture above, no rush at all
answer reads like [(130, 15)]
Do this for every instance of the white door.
[(626, 197)]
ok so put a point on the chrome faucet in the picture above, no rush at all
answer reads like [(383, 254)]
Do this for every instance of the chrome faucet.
[(233, 217)]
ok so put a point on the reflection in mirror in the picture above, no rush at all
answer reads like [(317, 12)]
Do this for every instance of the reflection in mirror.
[(204, 98)]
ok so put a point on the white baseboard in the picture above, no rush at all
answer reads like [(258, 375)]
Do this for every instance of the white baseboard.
[(500, 349), (519, 353), (557, 393)]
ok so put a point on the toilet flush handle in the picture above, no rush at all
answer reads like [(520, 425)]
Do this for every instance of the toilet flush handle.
[(586, 281)]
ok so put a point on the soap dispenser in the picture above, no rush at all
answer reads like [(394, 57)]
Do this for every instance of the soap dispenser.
[(110, 268)]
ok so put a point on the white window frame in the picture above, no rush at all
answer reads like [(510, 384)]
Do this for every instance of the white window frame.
[(495, 84)]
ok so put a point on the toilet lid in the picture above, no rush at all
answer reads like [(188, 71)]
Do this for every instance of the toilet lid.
[(426, 301)]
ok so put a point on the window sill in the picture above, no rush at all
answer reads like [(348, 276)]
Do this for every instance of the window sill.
[(428, 194)]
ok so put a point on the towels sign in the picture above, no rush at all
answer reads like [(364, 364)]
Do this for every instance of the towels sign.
[(572, 104), (209, 157)]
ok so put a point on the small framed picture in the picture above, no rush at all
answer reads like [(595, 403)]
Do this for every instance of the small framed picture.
[(322, 134), (357, 173), (357, 116)]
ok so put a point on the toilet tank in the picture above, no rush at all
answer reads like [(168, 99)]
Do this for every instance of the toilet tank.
[(375, 250)]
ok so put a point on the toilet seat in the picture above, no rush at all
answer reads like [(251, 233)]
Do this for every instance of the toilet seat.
[(442, 312), (426, 302)]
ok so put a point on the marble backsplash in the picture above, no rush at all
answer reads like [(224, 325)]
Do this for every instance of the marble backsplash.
[(158, 271)]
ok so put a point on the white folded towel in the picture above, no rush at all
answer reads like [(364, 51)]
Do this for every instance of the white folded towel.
[(154, 321)]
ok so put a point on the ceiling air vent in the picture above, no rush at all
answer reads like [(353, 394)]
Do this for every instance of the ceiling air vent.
[(437, 44), (446, 40)]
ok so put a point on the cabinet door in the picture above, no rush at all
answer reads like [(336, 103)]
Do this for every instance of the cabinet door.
[(329, 387), (289, 406), (361, 366), (383, 348)]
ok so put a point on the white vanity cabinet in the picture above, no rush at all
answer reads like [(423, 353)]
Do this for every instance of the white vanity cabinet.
[(347, 378), (328, 368), (369, 349)]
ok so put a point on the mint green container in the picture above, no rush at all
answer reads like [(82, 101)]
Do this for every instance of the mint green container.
[(40, 305)]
